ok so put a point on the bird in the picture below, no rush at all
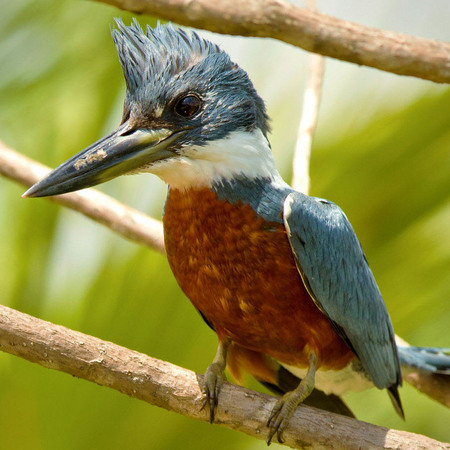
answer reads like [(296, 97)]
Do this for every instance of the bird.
[(279, 275)]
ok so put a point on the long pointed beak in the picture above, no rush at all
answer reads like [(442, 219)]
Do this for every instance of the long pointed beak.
[(122, 151)]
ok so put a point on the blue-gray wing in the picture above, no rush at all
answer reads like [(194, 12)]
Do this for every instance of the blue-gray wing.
[(335, 271)]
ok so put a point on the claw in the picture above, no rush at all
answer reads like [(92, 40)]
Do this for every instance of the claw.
[(281, 413), (213, 381), (286, 405)]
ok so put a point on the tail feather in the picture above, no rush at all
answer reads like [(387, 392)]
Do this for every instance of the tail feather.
[(432, 360), (395, 399), (428, 369)]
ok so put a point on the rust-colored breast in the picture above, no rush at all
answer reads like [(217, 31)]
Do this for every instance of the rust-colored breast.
[(239, 271)]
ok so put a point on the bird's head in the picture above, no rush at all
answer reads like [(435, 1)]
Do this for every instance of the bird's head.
[(190, 116)]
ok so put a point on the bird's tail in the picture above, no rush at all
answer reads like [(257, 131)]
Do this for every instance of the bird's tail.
[(430, 360), (427, 369)]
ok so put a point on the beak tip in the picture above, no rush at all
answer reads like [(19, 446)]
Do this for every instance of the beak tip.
[(28, 193), (36, 190)]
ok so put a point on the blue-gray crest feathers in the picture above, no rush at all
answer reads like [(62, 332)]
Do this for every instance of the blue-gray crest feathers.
[(167, 50)]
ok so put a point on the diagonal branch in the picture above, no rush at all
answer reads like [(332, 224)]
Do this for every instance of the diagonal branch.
[(177, 389), (319, 33)]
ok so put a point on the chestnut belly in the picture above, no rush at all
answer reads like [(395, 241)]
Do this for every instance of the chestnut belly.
[(239, 271)]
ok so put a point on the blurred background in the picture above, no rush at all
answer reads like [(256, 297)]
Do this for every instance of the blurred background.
[(382, 152)]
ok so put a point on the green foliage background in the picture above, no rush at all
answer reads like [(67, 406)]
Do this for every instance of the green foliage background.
[(61, 88)]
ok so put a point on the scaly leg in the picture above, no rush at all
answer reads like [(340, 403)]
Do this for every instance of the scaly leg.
[(286, 405), (214, 378)]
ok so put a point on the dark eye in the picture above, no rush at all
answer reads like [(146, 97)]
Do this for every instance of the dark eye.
[(188, 106)]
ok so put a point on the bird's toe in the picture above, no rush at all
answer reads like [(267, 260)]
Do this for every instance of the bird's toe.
[(213, 382)]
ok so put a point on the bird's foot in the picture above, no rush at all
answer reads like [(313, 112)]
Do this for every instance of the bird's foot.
[(286, 405), (214, 378), (213, 382), (281, 413)]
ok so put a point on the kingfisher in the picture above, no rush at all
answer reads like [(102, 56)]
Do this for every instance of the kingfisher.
[(279, 276)]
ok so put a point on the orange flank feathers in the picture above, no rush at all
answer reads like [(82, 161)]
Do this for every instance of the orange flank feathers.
[(239, 272), (260, 366)]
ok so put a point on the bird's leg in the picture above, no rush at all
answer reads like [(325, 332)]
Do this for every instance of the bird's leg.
[(286, 405), (214, 378)]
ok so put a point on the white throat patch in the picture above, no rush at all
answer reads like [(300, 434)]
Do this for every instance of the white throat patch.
[(240, 153)]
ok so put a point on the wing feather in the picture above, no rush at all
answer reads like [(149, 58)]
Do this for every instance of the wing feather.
[(335, 271)]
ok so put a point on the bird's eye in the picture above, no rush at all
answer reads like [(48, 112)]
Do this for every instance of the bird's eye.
[(188, 106)]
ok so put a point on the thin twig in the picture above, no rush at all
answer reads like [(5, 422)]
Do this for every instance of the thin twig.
[(177, 389), (120, 218), (311, 31), (308, 121)]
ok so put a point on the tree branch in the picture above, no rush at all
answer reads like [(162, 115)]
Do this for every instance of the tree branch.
[(319, 33), (435, 386), (176, 389)]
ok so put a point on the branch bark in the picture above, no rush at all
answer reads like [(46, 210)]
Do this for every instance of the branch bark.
[(318, 33), (176, 389)]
